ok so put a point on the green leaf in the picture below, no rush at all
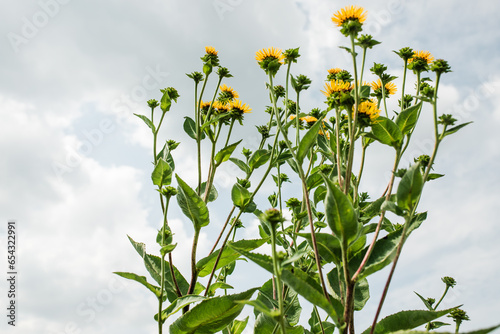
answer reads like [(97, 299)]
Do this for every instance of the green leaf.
[(291, 303), (153, 266), (426, 303), (455, 129), (317, 328), (218, 285), (387, 132), (328, 246), (393, 207), (165, 101), (405, 320), (479, 331), (211, 315), (178, 305), (434, 176), (364, 92), (190, 127), (225, 153), (167, 249), (229, 255), (361, 290), (319, 194), (192, 205), (314, 180), (410, 187), (240, 195), (148, 122), (258, 158), (141, 279), (308, 141), (162, 174), (241, 165), (212, 195), (340, 214), (239, 326), (167, 156), (407, 119)]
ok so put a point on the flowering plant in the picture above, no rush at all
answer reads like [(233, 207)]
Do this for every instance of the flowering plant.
[(333, 225)]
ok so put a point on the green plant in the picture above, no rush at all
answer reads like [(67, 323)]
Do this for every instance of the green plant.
[(332, 221)]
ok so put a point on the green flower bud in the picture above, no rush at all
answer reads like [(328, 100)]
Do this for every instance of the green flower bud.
[(447, 119), (172, 144), (153, 103), (440, 66), (449, 281), (273, 217), (405, 53), (378, 69)]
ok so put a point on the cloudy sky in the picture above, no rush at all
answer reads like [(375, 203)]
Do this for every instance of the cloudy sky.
[(76, 163)]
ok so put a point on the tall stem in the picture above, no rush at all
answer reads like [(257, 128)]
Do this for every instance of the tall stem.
[(279, 285)]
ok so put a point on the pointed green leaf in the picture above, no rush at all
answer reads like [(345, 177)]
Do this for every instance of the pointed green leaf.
[(148, 122), (455, 129), (141, 279), (319, 194), (267, 295), (479, 331), (165, 101), (167, 156), (192, 205), (229, 255), (190, 127), (364, 92), (405, 320), (211, 315), (239, 326), (241, 165), (328, 246), (340, 214), (162, 174), (308, 141), (212, 195), (225, 153), (387, 132), (240, 195), (410, 187), (426, 303), (178, 305), (153, 266), (407, 119), (361, 290), (258, 158)]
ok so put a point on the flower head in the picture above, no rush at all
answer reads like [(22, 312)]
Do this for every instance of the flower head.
[(336, 86), (440, 66), (367, 113), (349, 13), (270, 60), (332, 74), (389, 88), (227, 94), (420, 61), (237, 109), (211, 50), (349, 19)]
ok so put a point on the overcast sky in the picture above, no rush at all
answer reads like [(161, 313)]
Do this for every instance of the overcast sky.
[(75, 166)]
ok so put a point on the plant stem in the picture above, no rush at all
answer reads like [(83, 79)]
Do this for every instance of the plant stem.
[(194, 270), (279, 285)]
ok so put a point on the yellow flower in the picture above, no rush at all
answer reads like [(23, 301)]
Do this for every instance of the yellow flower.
[(336, 86), (228, 92), (349, 13), (369, 108), (211, 50), (309, 119), (421, 55), (240, 107), (221, 107), (390, 87), (264, 54), (204, 105), (334, 70)]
